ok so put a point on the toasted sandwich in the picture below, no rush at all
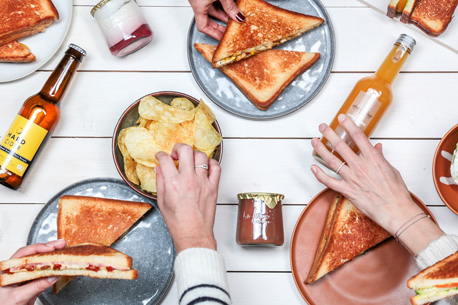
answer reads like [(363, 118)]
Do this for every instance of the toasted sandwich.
[(265, 26), (99, 220), (93, 260), (263, 77), (436, 282), (15, 52), (21, 18), (407, 11), (433, 16), (395, 6), (347, 233)]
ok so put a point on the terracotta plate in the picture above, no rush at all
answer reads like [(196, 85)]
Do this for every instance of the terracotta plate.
[(377, 277), (445, 185)]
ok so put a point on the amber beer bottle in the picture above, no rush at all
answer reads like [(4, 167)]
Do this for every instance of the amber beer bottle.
[(371, 96), (38, 116)]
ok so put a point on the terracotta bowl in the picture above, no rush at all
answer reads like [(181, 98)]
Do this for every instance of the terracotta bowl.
[(130, 117), (445, 185)]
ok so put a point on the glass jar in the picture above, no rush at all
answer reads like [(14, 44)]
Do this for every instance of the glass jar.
[(123, 25), (260, 220)]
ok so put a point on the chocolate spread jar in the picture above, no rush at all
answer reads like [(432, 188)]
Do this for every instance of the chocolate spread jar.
[(260, 221)]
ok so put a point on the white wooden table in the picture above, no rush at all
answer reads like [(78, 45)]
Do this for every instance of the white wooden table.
[(270, 156)]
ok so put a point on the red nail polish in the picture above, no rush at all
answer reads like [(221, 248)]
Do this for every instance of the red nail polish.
[(240, 17)]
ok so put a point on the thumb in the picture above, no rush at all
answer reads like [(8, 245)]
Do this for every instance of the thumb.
[(232, 10), (30, 291)]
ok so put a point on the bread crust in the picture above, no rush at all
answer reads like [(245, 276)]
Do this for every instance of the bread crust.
[(433, 16), (15, 52)]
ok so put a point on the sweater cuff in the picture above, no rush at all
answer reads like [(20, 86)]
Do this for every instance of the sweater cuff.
[(437, 250), (201, 273)]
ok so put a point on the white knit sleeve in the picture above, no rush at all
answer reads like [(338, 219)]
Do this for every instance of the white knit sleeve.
[(437, 250), (201, 277)]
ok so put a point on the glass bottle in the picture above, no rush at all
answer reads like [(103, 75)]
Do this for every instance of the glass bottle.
[(38, 116), (371, 96)]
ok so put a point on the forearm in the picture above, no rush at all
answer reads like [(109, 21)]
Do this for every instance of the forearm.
[(419, 235), (201, 277)]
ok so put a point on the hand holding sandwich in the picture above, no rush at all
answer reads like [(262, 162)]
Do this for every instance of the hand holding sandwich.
[(187, 196), (205, 8), (28, 293), (373, 185)]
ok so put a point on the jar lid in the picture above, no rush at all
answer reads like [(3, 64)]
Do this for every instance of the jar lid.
[(270, 199), (99, 5), (406, 40)]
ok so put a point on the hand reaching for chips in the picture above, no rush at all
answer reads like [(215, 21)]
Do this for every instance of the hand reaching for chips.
[(160, 127)]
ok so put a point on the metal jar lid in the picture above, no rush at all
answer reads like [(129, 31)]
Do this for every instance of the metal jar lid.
[(407, 41), (270, 199), (99, 5)]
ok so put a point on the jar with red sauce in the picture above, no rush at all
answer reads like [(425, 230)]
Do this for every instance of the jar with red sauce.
[(260, 220), (123, 25)]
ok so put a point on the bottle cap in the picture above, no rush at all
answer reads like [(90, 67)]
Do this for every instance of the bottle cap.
[(77, 48), (407, 41), (99, 5)]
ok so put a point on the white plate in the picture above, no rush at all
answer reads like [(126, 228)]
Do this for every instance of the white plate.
[(43, 45)]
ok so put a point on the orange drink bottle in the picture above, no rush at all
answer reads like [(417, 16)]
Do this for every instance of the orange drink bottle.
[(38, 116), (371, 96)]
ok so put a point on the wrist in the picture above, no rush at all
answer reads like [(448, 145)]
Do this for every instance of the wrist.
[(419, 235), (195, 242)]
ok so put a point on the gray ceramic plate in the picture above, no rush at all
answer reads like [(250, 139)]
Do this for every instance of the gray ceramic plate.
[(224, 93), (148, 242)]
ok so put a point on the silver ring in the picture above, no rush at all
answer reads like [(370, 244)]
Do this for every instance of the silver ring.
[(204, 166), (340, 167)]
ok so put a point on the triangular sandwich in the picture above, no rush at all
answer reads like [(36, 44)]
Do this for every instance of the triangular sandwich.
[(265, 26), (347, 234), (15, 52), (263, 77), (433, 16)]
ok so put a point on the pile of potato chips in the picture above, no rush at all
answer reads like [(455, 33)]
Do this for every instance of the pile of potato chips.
[(160, 127)]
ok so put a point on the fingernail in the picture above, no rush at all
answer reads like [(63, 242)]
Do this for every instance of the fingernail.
[(240, 17), (313, 168), (52, 279), (314, 141), (341, 118), (52, 243), (322, 127)]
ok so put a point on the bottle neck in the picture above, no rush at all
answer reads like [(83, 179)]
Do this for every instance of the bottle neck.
[(60, 78), (393, 63)]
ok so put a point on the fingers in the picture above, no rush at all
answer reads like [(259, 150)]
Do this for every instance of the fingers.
[(379, 147), (185, 155), (200, 158), (33, 289), (167, 165), (232, 10), (218, 13), (214, 172), (332, 183), (40, 248), (338, 145), (356, 134), (209, 27), (331, 160), (160, 186)]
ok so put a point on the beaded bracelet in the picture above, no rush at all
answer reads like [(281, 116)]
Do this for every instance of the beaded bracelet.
[(409, 223)]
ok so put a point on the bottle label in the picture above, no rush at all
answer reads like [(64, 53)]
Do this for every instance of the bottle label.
[(363, 109), (20, 144)]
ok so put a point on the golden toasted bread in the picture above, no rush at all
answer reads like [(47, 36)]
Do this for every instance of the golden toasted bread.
[(93, 260), (347, 234), (265, 26), (433, 16), (21, 18), (89, 219), (395, 6), (263, 77), (15, 52), (407, 11), (436, 282)]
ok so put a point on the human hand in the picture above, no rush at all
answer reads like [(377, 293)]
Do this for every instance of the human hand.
[(187, 196), (372, 184), (205, 8), (26, 294)]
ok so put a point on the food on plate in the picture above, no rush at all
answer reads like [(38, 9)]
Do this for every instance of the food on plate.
[(436, 282), (454, 165), (265, 26), (21, 18), (347, 233), (82, 219), (159, 128), (263, 77), (431, 16), (90, 259), (15, 52)]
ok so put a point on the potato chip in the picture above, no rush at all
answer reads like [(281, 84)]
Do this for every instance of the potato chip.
[(129, 163), (153, 109), (182, 103), (142, 122), (141, 145), (209, 152), (166, 135), (208, 112), (147, 177), (205, 136), (188, 127)]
